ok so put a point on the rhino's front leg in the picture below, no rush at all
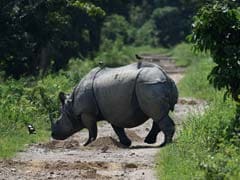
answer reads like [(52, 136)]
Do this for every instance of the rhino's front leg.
[(90, 122), (152, 135), (122, 135)]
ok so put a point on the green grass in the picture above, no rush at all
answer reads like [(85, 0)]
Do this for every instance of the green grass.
[(195, 83), (21, 104), (208, 146), (15, 140), (29, 100), (184, 56)]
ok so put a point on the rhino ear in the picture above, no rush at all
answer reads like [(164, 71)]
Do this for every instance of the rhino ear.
[(62, 97)]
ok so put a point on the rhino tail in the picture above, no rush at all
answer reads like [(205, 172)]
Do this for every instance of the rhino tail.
[(173, 95)]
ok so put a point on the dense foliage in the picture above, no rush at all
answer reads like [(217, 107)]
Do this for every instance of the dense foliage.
[(39, 35), (217, 29)]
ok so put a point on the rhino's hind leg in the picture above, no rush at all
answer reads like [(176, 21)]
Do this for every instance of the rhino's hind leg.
[(168, 127), (90, 122), (152, 135), (122, 135)]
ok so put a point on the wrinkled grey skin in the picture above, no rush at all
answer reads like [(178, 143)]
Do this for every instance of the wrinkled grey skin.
[(125, 97)]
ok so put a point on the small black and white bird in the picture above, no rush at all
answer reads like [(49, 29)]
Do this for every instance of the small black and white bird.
[(31, 129), (101, 64), (138, 57)]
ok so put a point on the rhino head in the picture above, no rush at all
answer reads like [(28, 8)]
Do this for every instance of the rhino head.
[(68, 123)]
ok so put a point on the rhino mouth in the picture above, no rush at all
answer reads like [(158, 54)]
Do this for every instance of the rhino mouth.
[(59, 134), (55, 132), (57, 137)]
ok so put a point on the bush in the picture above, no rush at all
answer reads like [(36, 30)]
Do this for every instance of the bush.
[(19, 103), (184, 56), (170, 26), (145, 35), (117, 55), (77, 68), (29, 101), (115, 27), (195, 84), (216, 29)]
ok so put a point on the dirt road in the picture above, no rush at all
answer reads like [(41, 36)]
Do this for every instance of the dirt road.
[(103, 159)]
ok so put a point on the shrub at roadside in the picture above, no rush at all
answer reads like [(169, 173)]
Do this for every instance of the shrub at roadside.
[(221, 21), (208, 145), (29, 101), (184, 56)]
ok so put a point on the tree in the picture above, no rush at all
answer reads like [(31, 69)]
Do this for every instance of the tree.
[(115, 27), (216, 29), (171, 27), (35, 34)]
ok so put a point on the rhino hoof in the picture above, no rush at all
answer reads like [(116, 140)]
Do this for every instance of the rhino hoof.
[(126, 142), (150, 140), (166, 142), (163, 144)]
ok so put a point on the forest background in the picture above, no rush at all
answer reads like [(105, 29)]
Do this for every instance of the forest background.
[(47, 46)]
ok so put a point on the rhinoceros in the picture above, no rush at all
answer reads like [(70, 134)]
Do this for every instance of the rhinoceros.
[(125, 96)]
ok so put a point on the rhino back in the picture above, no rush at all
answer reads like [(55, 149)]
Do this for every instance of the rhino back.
[(114, 89)]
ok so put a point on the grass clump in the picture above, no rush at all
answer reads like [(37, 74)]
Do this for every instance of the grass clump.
[(29, 101), (195, 83), (208, 146), (184, 56)]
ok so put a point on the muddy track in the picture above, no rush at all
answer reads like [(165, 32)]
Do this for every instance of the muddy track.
[(103, 159)]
